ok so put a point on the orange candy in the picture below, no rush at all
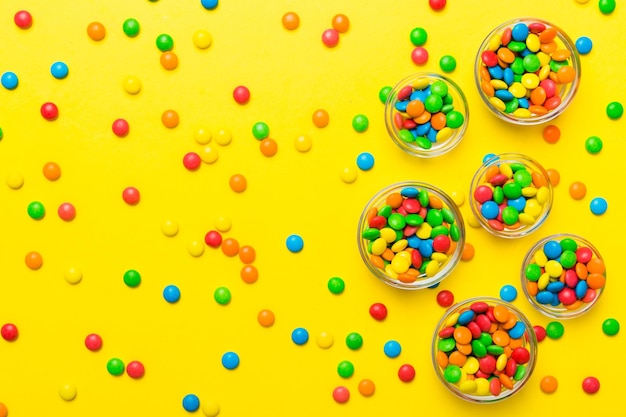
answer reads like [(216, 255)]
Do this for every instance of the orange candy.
[(247, 254), (238, 183), (438, 121), (577, 190), (548, 384), (457, 358), (501, 313), (249, 274), (230, 246), (170, 119), (341, 23), (320, 118), (551, 134), (33, 260), (266, 318), (462, 335), (415, 108), (596, 266), (291, 21), (468, 252), (553, 176), (394, 200), (52, 171), (367, 387), (268, 147), (96, 31), (169, 60)]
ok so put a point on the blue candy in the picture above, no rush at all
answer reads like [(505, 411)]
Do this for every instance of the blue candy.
[(432, 135), (490, 210), (517, 203), (9, 80), (409, 192), (581, 289), (519, 32), (555, 287), (517, 331), (504, 95), (300, 336), (584, 45), (545, 297), (598, 206), (414, 241), (465, 317), (508, 293), (496, 72), (392, 349), (422, 130), (552, 249), (508, 76), (426, 248)]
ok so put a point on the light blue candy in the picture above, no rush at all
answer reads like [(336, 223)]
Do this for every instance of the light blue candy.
[(409, 192), (552, 249), (465, 317), (517, 331), (544, 297), (519, 32), (555, 287), (489, 210), (581, 289)]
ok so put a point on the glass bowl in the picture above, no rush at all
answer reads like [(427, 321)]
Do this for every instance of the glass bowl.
[(484, 350), (426, 114), (511, 195), (563, 276), (411, 235), (527, 71)]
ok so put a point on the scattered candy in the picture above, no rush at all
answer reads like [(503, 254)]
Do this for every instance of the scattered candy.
[(222, 295), (555, 330), (93, 342), (553, 176), (437, 5), (49, 111), (120, 128), (320, 118), (614, 110), (365, 161), (447, 63), (383, 93), (606, 6), (406, 373), (577, 190), (610, 327), (584, 45), (291, 21), (551, 134), (132, 85), (348, 175), (169, 228), (260, 130), (303, 143), (230, 360), (268, 147), (345, 369), (295, 243), (247, 254), (23, 19), (67, 212), (73, 275), (170, 119), (36, 210), (330, 38), (392, 349), (300, 336), (171, 294), (131, 196), (341, 23), (418, 36), (132, 278), (325, 340), (164, 42), (508, 293), (169, 61), (202, 39), (378, 311), (131, 27), (540, 332), (68, 392), (354, 341), (336, 285), (9, 332), (59, 70), (52, 171), (445, 298), (468, 252), (598, 206), (526, 70), (191, 402), (209, 4), (115, 366), (4, 411), (238, 183), (360, 123), (241, 94), (341, 395), (593, 145), (210, 408), (192, 161), (213, 238), (548, 384), (230, 247), (135, 369), (33, 260), (249, 274), (266, 318), (96, 31), (367, 387), (419, 55), (591, 385)]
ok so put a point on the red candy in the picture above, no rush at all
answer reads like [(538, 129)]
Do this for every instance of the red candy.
[(406, 373), (330, 37), (378, 311), (341, 394), (445, 298), (419, 56), (9, 332), (135, 369), (540, 332), (591, 385), (489, 58), (23, 19), (67, 212), (192, 161), (93, 342), (437, 4), (49, 111), (241, 94), (213, 239), (441, 243), (120, 127), (131, 195)]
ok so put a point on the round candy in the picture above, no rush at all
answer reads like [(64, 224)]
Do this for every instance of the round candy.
[(447, 63), (367, 387), (392, 349), (551, 134), (230, 247), (131, 196), (23, 19), (171, 293), (49, 111), (406, 373), (132, 278), (93, 342), (508, 293), (222, 295), (341, 23), (4, 411), (223, 137), (591, 385), (202, 39), (614, 110), (593, 144), (135, 369), (66, 211), (348, 175), (378, 311), (9, 332), (249, 274), (33, 260), (341, 395), (300, 336), (577, 190), (132, 85), (336, 285), (36, 210), (584, 45), (445, 298), (209, 4), (191, 403), (598, 206), (59, 70), (437, 4), (260, 130), (170, 119), (241, 94), (52, 171), (210, 408), (419, 36), (9, 80), (131, 27), (295, 243), (330, 37), (120, 128), (230, 360), (345, 369), (383, 93), (96, 31), (195, 248), (115, 366), (606, 6), (325, 340), (610, 327), (169, 60), (320, 118), (365, 161), (67, 392), (192, 161), (238, 183), (266, 318), (213, 238), (169, 228), (548, 384), (419, 55), (268, 147), (73, 275), (354, 341), (303, 143), (555, 330), (540, 332), (291, 21), (164, 42), (360, 123)]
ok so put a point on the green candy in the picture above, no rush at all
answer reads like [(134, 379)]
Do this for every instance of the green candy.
[(511, 105), (360, 123), (132, 278), (554, 330), (517, 66), (406, 136), (448, 99), (419, 36), (345, 369), (512, 190), (495, 350), (164, 42), (439, 88), (131, 27), (447, 63), (412, 220), (447, 344), (396, 221), (423, 197), (260, 130), (36, 210), (354, 341), (523, 178), (568, 259), (533, 272), (568, 244), (485, 339), (614, 110), (371, 233), (447, 108), (454, 119), (222, 295), (516, 46), (385, 211), (510, 215), (455, 233), (610, 327), (447, 214), (383, 94), (479, 349), (593, 144), (439, 230), (520, 372), (498, 195), (115, 366), (336, 285), (531, 63), (556, 65), (452, 374), (423, 142), (434, 217), (433, 103)]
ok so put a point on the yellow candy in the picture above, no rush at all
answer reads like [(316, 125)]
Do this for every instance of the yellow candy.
[(522, 113), (495, 43), (540, 258), (400, 265), (544, 61), (468, 387), (471, 365), (526, 219), (497, 103), (553, 268), (530, 80), (439, 257), (388, 234), (423, 231), (501, 362), (404, 255), (517, 89), (543, 195), (529, 192), (499, 84), (443, 134), (532, 42), (452, 319), (399, 245), (389, 271), (543, 281), (420, 84), (432, 268), (473, 221), (202, 136), (506, 170), (379, 246), (533, 208), (209, 154), (482, 386)]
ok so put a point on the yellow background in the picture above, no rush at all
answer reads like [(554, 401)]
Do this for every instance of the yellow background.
[(290, 75)]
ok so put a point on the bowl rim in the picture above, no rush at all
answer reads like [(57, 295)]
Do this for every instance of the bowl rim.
[(549, 310), (571, 92), (420, 283), (532, 346), (444, 146), (506, 157)]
